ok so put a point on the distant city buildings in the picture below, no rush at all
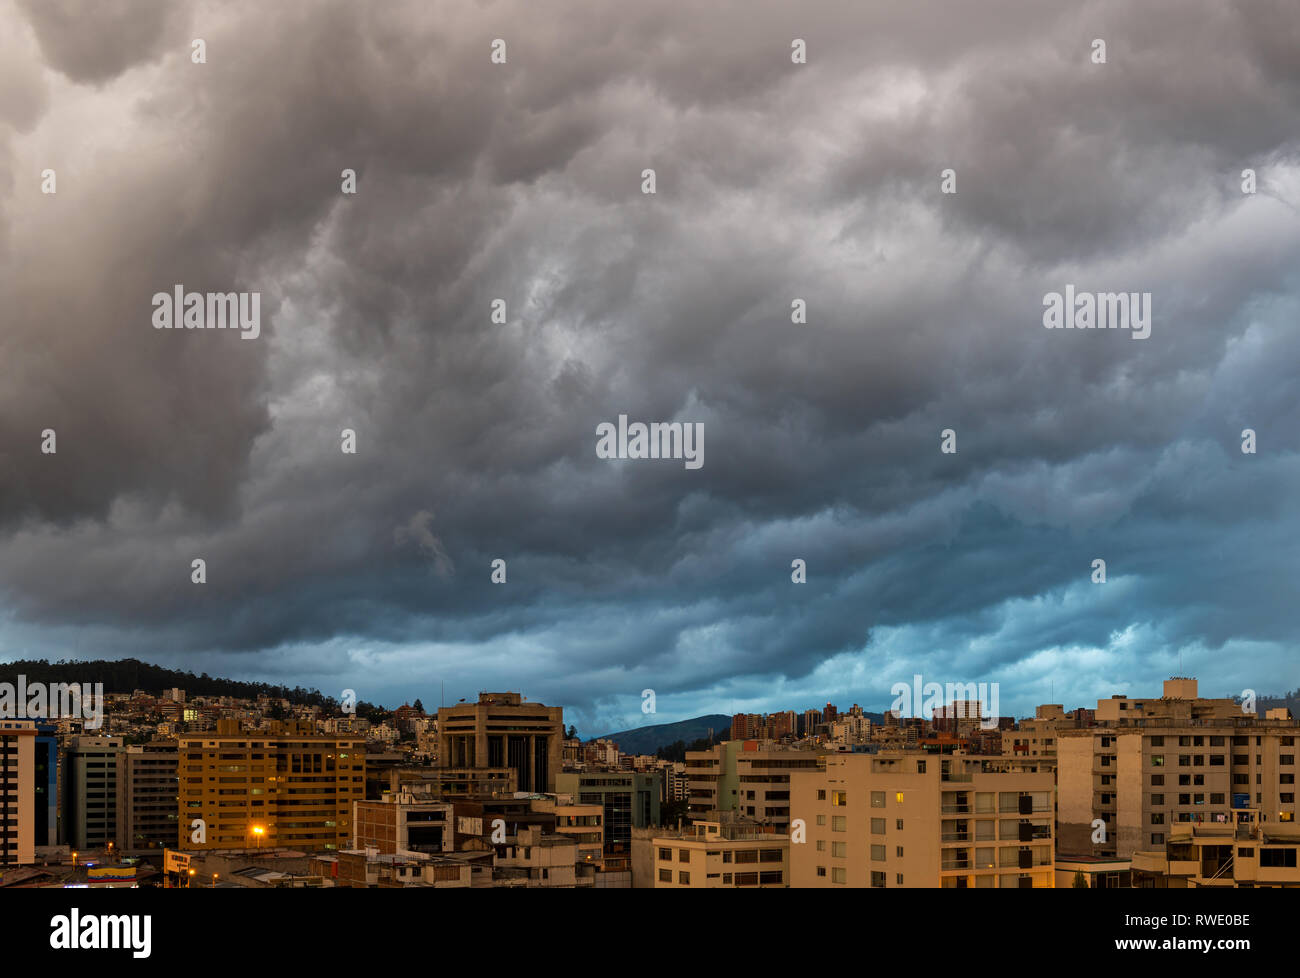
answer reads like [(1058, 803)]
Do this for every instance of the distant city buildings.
[(1171, 791)]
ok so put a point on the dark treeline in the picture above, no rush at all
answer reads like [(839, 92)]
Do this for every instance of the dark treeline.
[(676, 751), (128, 675)]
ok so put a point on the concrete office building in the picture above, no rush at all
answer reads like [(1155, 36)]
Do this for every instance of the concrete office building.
[(627, 799), (90, 791), (147, 795), (501, 731), (909, 819)]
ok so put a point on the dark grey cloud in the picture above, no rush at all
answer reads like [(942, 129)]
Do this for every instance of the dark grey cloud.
[(476, 440)]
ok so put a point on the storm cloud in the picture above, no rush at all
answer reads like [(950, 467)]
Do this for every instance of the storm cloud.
[(476, 439)]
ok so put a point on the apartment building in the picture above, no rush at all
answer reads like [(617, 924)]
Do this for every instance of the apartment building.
[(502, 732), (541, 859), (909, 819), (1246, 853), (724, 853), (90, 791), (1161, 764), (368, 869), (285, 787), (751, 778), (1037, 737), (584, 824), (17, 787), (147, 796)]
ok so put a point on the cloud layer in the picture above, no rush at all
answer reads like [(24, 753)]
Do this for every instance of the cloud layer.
[(476, 440)]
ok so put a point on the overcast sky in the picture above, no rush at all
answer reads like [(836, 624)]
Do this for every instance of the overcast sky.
[(476, 440)]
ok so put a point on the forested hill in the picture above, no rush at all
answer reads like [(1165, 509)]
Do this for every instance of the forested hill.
[(128, 675)]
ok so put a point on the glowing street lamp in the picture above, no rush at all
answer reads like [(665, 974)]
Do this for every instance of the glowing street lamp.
[(259, 832)]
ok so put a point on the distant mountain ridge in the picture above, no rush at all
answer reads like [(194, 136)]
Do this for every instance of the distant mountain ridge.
[(648, 739)]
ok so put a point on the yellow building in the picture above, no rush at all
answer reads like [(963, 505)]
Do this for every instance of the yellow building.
[(724, 854), (287, 788), (17, 788), (911, 819)]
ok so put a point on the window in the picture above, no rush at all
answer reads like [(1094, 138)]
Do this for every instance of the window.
[(1277, 858), (877, 880), (877, 826), (839, 823), (839, 875), (1157, 818), (877, 854), (1157, 741), (877, 799), (1157, 838), (899, 797), (1157, 780), (684, 878), (821, 845), (821, 819), (839, 850), (839, 799), (899, 852), (683, 855), (821, 870), (898, 824), (665, 876), (821, 795), (1157, 760), (1157, 800), (666, 855), (899, 879)]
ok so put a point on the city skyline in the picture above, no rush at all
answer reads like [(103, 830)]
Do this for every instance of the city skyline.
[(440, 218)]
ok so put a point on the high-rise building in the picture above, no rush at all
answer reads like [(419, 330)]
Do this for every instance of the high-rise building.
[(90, 791), (45, 797), (502, 732), (287, 787), (1153, 765), (17, 787), (147, 795), (910, 819), (628, 800)]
